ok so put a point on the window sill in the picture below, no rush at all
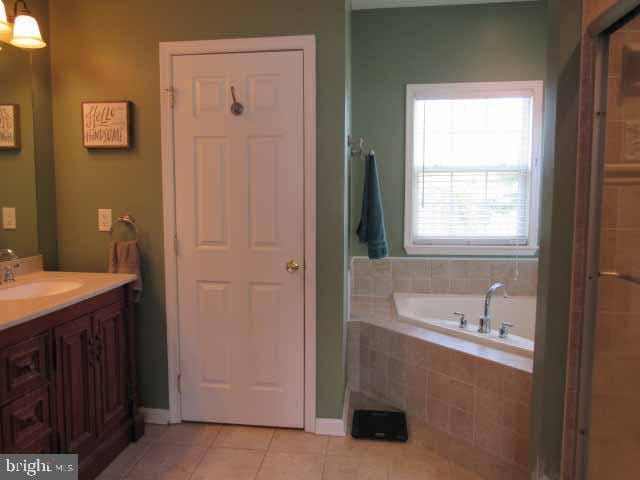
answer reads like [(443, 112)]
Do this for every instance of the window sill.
[(475, 250)]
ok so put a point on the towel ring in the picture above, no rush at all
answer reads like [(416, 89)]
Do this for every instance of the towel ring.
[(129, 221)]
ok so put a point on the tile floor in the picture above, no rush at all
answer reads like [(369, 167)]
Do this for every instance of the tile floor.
[(212, 452)]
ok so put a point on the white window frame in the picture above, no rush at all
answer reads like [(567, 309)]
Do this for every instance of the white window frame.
[(475, 90)]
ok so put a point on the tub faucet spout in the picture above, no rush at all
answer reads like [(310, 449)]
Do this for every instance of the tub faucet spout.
[(485, 321)]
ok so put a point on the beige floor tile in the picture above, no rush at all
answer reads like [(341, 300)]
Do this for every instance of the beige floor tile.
[(228, 464), (355, 468), (200, 435), (348, 446), (425, 465), (167, 462), (460, 473), (126, 460), (296, 441), (250, 438), (153, 432), (291, 466)]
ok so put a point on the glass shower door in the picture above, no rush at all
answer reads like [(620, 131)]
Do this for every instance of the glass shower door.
[(614, 424)]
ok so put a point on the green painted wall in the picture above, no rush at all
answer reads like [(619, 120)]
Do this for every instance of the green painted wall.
[(110, 51), (17, 167), (394, 47)]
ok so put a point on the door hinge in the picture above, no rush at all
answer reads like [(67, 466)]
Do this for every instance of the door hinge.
[(175, 245), (172, 96), (179, 383)]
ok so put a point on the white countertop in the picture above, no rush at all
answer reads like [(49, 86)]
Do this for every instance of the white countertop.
[(15, 312)]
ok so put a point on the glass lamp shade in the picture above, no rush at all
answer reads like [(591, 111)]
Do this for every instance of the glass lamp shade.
[(26, 33), (5, 28)]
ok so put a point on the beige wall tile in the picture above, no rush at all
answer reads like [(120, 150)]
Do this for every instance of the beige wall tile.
[(462, 367), (416, 391), (516, 416), (437, 413), (461, 424), (461, 395), (614, 141), (489, 406), (517, 385), (628, 211), (441, 359)]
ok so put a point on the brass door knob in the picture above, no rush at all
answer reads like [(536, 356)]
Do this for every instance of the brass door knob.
[(292, 266)]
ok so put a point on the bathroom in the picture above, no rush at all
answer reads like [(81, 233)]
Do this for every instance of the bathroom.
[(512, 248)]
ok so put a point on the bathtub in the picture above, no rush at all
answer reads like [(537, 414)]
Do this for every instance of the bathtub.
[(435, 312)]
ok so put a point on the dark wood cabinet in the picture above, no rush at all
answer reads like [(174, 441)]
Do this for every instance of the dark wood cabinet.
[(76, 386), (68, 383)]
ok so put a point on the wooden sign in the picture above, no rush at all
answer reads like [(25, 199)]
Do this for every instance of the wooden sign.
[(106, 124), (9, 126)]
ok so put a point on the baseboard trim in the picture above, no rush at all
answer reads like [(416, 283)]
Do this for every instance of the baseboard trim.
[(324, 426), (158, 416), (330, 426), (335, 427)]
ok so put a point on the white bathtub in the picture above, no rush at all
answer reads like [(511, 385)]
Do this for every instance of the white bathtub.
[(435, 312)]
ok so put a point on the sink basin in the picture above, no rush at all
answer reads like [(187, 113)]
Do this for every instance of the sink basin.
[(38, 289)]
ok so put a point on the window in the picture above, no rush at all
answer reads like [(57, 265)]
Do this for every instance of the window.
[(472, 172)]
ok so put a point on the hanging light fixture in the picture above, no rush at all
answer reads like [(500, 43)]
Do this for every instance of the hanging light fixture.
[(5, 28), (25, 31)]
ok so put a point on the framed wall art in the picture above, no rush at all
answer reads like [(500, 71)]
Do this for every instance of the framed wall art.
[(9, 126), (106, 124)]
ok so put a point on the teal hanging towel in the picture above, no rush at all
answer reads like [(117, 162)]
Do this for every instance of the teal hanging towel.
[(371, 229)]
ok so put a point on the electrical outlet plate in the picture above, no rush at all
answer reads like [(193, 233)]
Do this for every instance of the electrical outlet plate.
[(9, 218), (104, 219)]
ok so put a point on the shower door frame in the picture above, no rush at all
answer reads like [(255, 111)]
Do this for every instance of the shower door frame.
[(598, 38)]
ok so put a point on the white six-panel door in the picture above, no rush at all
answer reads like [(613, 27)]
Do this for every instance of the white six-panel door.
[(240, 220)]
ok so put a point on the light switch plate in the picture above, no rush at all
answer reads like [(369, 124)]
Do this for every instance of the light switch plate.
[(104, 219), (9, 218)]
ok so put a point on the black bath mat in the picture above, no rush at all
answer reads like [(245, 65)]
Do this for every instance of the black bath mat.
[(377, 425)]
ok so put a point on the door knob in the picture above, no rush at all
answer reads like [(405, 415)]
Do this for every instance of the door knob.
[(292, 266)]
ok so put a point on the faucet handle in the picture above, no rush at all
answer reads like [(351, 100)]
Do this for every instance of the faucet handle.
[(463, 320), (505, 328)]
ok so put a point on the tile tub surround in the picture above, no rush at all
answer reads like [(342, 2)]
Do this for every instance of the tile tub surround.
[(381, 278), (479, 409)]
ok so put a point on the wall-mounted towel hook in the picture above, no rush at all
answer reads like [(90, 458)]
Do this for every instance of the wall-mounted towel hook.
[(358, 150), (129, 220)]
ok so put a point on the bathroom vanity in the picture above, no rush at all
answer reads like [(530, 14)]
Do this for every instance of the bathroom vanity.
[(67, 367)]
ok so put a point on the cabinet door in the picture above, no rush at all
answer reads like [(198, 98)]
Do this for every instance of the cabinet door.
[(111, 368), (76, 386)]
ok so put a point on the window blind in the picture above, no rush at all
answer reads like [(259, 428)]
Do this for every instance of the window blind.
[(472, 171)]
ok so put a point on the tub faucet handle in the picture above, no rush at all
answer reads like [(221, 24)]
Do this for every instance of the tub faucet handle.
[(505, 328), (463, 320)]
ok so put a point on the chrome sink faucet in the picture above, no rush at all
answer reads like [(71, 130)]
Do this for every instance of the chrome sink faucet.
[(485, 321), (9, 273)]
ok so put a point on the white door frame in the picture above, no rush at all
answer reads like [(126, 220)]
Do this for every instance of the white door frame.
[(306, 44)]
